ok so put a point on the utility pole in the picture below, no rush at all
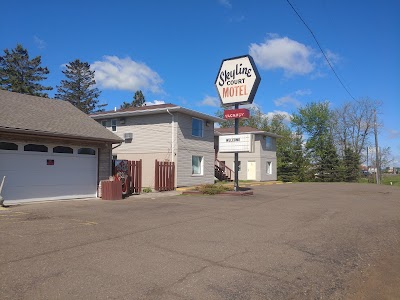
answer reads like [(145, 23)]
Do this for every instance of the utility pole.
[(377, 160)]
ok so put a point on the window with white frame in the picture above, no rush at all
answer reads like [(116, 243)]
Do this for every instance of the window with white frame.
[(197, 127), (104, 123), (114, 125), (269, 167), (197, 165)]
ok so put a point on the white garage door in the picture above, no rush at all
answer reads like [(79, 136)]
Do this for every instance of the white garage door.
[(60, 173)]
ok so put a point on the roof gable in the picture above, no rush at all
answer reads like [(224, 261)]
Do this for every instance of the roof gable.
[(32, 114)]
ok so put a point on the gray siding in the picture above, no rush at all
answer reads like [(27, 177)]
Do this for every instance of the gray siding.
[(151, 134), (155, 138), (152, 139), (188, 146), (260, 156)]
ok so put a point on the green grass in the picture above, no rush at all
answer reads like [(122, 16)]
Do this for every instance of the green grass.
[(386, 179), (212, 189), (395, 179)]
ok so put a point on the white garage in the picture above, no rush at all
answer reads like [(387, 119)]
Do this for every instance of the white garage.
[(50, 150), (45, 171)]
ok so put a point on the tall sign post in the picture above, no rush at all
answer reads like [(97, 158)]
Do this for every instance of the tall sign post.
[(237, 83)]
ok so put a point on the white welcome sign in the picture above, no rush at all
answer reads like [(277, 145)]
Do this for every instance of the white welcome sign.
[(236, 143)]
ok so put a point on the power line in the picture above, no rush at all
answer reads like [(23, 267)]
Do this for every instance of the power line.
[(320, 48)]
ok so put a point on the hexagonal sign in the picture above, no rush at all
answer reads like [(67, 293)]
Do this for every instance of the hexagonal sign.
[(237, 80)]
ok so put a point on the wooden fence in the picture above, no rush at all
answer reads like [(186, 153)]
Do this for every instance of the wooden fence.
[(135, 176), (164, 176)]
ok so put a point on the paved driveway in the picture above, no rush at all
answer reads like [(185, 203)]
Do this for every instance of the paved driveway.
[(292, 241)]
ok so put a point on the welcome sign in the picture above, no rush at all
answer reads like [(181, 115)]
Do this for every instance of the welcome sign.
[(236, 143), (237, 80)]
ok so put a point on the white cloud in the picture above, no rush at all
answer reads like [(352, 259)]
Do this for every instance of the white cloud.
[(41, 44), (286, 115), (126, 74), (302, 92), (226, 3), (155, 102), (291, 99), (283, 53), (394, 134), (210, 101), (286, 101), (333, 58)]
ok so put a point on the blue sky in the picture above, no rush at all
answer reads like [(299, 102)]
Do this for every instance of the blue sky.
[(171, 50)]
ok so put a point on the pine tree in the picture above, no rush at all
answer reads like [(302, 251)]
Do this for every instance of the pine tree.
[(20, 74), (138, 99), (351, 162), (78, 88)]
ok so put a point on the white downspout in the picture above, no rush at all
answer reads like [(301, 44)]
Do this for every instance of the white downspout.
[(172, 136)]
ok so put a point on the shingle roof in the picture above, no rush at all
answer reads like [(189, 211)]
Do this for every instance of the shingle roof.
[(140, 108), (49, 117), (153, 109), (244, 129)]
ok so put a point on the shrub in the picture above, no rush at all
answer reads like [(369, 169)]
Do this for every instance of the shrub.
[(212, 189), (147, 190)]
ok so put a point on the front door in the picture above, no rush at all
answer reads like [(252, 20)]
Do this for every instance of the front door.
[(251, 170)]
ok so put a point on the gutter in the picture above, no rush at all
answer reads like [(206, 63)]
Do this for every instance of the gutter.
[(172, 135)]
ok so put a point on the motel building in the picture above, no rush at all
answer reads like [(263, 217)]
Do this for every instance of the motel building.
[(256, 148)]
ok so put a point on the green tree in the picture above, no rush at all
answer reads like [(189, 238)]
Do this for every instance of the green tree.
[(257, 119), (315, 121), (78, 88), (351, 165), (138, 101), (20, 74)]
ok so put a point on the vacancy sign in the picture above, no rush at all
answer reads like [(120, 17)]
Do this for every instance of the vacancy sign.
[(240, 113), (236, 143), (237, 80)]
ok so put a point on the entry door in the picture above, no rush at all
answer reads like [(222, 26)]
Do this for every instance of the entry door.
[(251, 170)]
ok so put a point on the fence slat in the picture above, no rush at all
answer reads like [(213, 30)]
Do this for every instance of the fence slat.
[(164, 176)]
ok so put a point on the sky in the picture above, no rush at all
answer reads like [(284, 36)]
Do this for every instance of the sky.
[(172, 50)]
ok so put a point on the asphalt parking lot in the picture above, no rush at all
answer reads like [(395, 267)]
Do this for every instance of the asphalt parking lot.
[(290, 241)]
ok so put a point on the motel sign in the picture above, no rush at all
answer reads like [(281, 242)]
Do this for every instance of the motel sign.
[(237, 80)]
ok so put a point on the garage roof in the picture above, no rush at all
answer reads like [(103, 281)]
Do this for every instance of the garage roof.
[(21, 113)]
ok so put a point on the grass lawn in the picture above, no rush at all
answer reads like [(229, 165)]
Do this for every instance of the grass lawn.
[(387, 178)]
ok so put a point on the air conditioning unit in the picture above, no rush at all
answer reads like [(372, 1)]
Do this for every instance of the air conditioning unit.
[(128, 135)]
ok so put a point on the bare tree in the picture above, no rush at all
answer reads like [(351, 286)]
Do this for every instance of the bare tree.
[(353, 124)]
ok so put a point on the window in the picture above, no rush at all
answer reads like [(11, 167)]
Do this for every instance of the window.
[(8, 146), (269, 167), (36, 148), (268, 143), (63, 149), (197, 127), (197, 165), (114, 125), (104, 123), (87, 151)]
